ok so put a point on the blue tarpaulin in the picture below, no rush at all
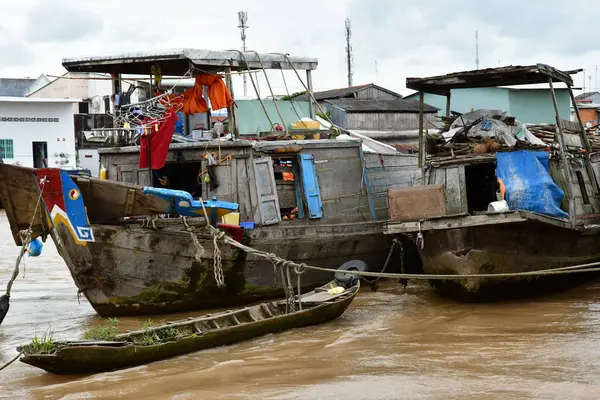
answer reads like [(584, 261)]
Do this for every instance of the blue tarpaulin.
[(528, 184)]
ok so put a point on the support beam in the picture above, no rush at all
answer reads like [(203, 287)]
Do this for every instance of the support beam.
[(231, 117), (311, 106), (116, 90), (421, 137), (448, 105), (563, 156)]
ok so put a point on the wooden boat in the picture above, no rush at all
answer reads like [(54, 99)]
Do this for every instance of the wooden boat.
[(193, 334), (460, 233), (130, 262)]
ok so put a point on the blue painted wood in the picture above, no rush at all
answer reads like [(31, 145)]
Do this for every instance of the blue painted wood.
[(182, 203), (310, 181)]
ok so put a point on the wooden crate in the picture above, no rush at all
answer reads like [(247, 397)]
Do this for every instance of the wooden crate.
[(416, 203)]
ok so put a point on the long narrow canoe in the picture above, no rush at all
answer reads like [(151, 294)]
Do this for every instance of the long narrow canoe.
[(193, 334)]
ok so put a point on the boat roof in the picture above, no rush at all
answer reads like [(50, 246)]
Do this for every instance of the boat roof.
[(266, 145), (491, 77), (177, 62)]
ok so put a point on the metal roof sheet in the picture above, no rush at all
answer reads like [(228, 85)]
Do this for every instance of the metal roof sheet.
[(378, 106), (343, 92), (490, 77), (177, 62)]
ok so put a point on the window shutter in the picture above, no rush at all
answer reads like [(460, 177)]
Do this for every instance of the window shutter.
[(311, 186)]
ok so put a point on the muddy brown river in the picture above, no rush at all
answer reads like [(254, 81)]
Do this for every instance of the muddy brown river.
[(392, 344)]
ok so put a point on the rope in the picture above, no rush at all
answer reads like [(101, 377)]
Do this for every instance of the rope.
[(289, 96), (551, 271), (299, 271), (11, 361), (199, 248), (217, 265), (271, 90), (255, 88), (389, 257), (26, 238)]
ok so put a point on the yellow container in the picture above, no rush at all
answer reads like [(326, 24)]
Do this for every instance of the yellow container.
[(102, 172), (231, 218), (306, 125)]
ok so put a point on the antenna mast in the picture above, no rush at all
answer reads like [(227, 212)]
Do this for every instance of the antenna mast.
[(349, 51), (243, 19), (476, 50)]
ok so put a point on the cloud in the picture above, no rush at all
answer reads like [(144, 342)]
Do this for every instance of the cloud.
[(58, 21), (14, 51)]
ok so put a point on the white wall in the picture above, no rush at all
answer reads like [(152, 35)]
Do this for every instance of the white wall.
[(90, 159), (59, 135), (78, 86)]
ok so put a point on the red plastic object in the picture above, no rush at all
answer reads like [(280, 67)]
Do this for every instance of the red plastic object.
[(236, 231)]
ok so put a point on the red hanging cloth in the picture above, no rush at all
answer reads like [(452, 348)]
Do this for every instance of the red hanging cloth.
[(159, 142)]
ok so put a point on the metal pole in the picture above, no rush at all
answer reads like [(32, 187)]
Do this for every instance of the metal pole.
[(563, 156), (311, 106)]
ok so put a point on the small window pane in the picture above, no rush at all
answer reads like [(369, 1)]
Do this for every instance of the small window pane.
[(7, 148)]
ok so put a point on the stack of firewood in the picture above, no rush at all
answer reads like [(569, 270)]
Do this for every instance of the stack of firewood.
[(546, 133)]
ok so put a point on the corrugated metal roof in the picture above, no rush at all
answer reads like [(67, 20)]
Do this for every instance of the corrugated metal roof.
[(177, 62), (343, 92), (15, 87), (490, 77), (378, 106), (585, 95)]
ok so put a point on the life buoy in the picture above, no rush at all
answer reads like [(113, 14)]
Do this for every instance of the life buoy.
[(352, 265)]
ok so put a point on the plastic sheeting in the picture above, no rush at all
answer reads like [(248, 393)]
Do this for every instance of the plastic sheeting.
[(494, 123), (528, 184)]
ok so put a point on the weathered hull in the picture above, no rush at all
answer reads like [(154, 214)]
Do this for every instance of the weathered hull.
[(101, 358), (130, 270), (506, 248)]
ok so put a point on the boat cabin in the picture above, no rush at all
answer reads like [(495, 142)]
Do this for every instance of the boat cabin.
[(274, 158), (484, 167)]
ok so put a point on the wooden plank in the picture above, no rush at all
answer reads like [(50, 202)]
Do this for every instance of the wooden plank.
[(415, 203), (129, 202), (392, 228), (439, 176), (462, 184), (453, 191)]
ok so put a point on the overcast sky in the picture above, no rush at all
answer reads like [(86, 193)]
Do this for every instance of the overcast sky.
[(406, 38)]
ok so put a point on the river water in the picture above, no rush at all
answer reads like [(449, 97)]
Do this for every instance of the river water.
[(392, 344)]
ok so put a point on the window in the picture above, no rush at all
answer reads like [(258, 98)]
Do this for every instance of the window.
[(6, 148), (287, 184), (84, 107)]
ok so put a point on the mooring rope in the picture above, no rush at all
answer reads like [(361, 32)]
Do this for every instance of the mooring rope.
[(284, 263), (11, 361), (25, 239)]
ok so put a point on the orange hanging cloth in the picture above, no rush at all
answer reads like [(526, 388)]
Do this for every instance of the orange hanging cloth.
[(194, 103)]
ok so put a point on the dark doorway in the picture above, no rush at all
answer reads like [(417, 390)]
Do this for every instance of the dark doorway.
[(481, 186), (40, 154)]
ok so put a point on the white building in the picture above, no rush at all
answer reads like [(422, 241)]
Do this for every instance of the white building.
[(93, 91), (37, 132)]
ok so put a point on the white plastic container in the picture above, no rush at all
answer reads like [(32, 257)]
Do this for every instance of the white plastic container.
[(497, 207)]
